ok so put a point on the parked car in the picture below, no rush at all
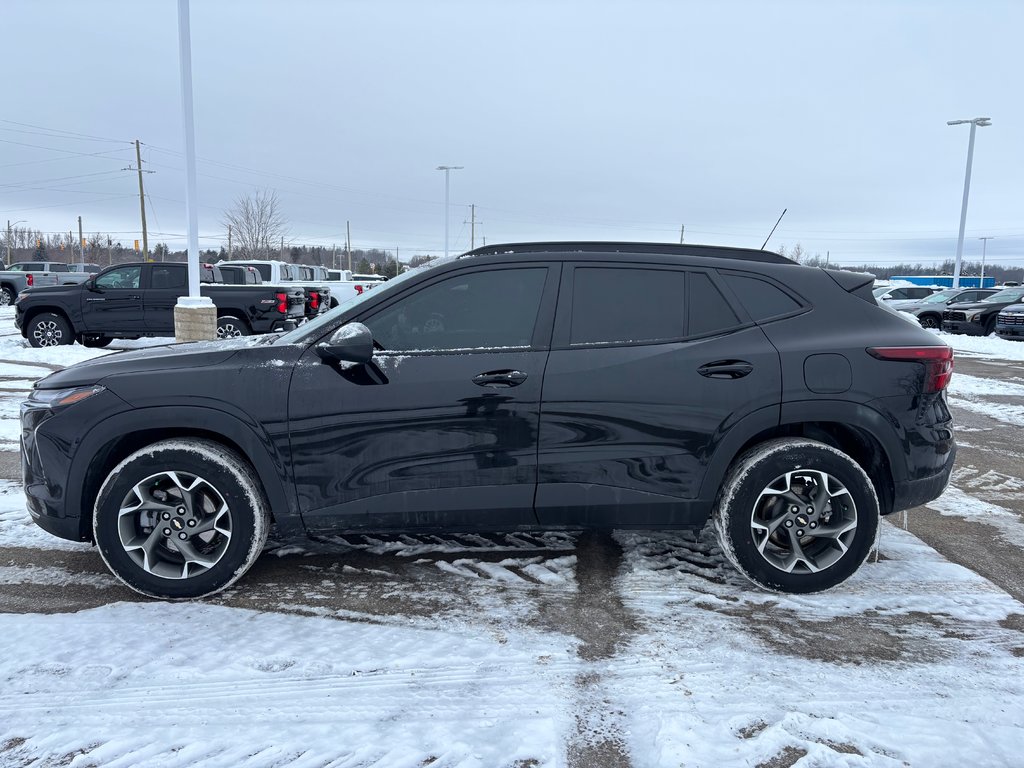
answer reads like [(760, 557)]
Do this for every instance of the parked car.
[(525, 386), (91, 269), (979, 318), (903, 292), (237, 274), (1010, 323), (318, 289), (928, 310), (373, 278), (128, 301)]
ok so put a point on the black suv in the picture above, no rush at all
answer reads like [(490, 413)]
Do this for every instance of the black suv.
[(539, 385)]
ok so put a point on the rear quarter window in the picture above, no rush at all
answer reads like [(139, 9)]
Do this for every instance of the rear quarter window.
[(761, 299)]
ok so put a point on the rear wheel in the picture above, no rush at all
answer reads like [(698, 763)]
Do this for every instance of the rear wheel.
[(49, 330), (929, 321), (796, 515), (6, 297), (229, 327), (95, 340), (181, 519)]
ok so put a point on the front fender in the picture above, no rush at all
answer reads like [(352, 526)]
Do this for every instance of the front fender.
[(255, 445)]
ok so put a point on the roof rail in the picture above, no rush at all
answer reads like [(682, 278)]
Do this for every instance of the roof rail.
[(598, 246)]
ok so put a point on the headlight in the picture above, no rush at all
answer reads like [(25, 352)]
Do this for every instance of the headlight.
[(58, 398)]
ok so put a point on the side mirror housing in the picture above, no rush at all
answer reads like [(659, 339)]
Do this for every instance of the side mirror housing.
[(90, 284), (352, 343)]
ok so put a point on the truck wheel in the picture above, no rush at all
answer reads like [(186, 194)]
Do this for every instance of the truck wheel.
[(796, 515), (230, 326), (6, 297), (49, 330), (929, 321), (94, 340), (181, 518)]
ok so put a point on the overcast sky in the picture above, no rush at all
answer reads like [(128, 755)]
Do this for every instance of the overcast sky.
[(586, 120)]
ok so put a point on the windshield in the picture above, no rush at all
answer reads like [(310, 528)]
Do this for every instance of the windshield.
[(1007, 294), (937, 298), (314, 328)]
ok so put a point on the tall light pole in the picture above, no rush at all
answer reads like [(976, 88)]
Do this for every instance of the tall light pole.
[(984, 243), (447, 169), (982, 121)]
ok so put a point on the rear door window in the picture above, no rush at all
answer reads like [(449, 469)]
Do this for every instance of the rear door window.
[(627, 304), (761, 299)]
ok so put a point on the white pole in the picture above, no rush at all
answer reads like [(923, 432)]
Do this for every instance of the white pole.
[(446, 170), (963, 208), (984, 244), (188, 120)]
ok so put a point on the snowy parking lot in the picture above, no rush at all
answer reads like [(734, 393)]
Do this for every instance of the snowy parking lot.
[(553, 649)]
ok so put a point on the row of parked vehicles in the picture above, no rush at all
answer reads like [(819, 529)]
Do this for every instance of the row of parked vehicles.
[(56, 306), (972, 311)]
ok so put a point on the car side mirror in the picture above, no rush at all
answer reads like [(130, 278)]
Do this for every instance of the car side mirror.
[(90, 284), (352, 343)]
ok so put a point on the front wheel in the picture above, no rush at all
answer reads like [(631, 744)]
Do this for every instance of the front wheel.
[(6, 297), (49, 330), (795, 515), (230, 327), (929, 321), (181, 519)]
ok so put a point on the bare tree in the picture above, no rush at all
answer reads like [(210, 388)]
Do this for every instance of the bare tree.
[(257, 225)]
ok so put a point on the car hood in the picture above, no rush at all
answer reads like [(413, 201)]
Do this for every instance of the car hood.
[(1014, 309), (196, 354)]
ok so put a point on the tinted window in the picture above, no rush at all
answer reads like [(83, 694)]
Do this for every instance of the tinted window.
[(169, 277), (709, 311), (122, 277), (54, 267), (469, 311), (918, 293), (760, 298), (264, 270), (631, 304)]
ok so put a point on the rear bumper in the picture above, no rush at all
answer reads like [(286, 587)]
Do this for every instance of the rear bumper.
[(914, 493)]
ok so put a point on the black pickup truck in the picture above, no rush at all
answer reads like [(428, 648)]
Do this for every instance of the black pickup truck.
[(128, 301)]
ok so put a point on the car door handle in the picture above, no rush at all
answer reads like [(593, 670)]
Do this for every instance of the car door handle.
[(726, 369), (500, 379)]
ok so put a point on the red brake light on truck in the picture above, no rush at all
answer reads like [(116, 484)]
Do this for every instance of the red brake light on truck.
[(314, 299), (359, 289), (282, 303), (29, 279), (938, 362)]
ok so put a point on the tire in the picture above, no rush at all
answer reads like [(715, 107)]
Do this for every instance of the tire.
[(929, 321), (6, 297), (49, 330), (990, 326), (231, 327), (94, 341), (751, 511), (206, 496)]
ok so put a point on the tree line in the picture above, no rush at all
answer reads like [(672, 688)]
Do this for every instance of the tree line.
[(886, 271)]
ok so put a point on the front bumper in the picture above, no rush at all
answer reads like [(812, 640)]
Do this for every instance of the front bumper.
[(962, 326), (1012, 332)]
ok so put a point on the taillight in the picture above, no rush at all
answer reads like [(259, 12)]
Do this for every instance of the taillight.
[(314, 300), (938, 363), (29, 279), (282, 303), (359, 289)]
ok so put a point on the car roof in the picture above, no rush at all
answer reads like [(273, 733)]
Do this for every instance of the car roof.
[(584, 248)]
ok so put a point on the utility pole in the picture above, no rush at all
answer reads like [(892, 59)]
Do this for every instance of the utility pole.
[(348, 244), (142, 202), (229, 242), (81, 242), (110, 259), (447, 169), (682, 230), (282, 247), (984, 243), (334, 255), (472, 227)]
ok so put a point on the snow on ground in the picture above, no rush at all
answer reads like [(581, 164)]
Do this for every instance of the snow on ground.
[(983, 346), (969, 392)]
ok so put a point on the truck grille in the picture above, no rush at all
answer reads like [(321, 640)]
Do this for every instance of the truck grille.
[(950, 315), (1014, 318)]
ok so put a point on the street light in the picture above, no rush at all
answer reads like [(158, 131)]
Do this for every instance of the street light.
[(446, 169), (9, 225), (982, 121), (984, 243)]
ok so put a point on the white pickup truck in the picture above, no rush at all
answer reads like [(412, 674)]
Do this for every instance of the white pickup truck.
[(30, 274), (283, 273)]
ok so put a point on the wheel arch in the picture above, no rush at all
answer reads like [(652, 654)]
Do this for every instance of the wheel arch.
[(33, 312), (853, 428), (117, 437)]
